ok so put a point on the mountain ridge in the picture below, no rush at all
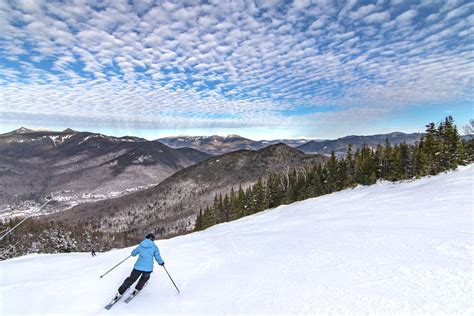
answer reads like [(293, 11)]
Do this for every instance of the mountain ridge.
[(82, 165), (171, 206), (218, 145), (339, 145)]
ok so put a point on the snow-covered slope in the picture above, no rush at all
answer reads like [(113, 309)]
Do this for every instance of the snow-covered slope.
[(385, 249)]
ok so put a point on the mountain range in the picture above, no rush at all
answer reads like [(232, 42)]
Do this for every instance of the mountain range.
[(127, 185), (75, 166), (217, 145), (171, 207), (339, 146)]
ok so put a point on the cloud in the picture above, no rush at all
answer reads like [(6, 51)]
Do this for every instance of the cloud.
[(362, 12), (226, 62), (378, 17), (463, 10), (406, 16), (28, 6)]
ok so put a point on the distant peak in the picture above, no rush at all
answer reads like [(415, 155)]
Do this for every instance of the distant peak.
[(278, 146), (23, 130), (69, 131)]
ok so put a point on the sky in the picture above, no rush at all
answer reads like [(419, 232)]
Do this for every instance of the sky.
[(260, 69)]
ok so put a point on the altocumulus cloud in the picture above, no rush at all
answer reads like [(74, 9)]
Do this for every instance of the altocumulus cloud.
[(232, 63)]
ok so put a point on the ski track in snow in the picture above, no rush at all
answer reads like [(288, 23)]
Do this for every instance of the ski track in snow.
[(391, 248)]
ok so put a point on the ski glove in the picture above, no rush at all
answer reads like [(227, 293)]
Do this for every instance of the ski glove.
[(162, 264)]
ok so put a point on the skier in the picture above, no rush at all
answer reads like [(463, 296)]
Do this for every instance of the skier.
[(93, 252), (147, 250)]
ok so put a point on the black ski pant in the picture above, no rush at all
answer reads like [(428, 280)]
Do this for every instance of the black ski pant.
[(132, 278)]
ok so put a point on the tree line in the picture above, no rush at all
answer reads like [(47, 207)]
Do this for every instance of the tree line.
[(439, 149), (36, 236)]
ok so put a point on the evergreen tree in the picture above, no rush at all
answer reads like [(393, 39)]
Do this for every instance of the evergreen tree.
[(199, 225), (396, 168), (258, 197), (292, 189), (440, 149), (241, 200), (379, 162), (332, 173), (248, 205), (386, 157), (234, 206), (366, 167), (468, 148), (226, 208), (455, 148), (430, 148), (405, 162), (421, 157), (350, 168)]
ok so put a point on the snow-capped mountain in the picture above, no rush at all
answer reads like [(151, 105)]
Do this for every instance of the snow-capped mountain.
[(391, 248)]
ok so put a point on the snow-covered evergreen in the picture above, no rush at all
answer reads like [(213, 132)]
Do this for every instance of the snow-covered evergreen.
[(390, 248)]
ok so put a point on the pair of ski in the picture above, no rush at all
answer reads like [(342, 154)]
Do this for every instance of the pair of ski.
[(127, 300)]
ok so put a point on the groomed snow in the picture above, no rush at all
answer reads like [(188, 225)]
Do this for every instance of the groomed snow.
[(392, 248)]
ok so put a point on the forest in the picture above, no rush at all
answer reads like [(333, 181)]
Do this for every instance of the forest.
[(439, 149)]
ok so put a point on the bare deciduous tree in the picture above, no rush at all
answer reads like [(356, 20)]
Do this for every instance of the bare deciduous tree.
[(469, 128)]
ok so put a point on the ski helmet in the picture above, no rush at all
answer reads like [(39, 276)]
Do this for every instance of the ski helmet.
[(150, 236)]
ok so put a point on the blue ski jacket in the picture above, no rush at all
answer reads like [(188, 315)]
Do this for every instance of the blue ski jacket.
[(147, 250)]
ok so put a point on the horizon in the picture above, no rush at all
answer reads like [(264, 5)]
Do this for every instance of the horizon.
[(214, 135), (260, 69)]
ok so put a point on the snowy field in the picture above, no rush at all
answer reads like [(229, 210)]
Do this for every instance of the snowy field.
[(404, 248)]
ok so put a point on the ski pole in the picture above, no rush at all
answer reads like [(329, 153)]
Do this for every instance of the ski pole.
[(115, 266), (171, 279)]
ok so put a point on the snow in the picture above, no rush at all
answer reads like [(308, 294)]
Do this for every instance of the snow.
[(22, 130), (59, 139), (114, 139), (391, 248), (142, 159), (53, 138), (24, 209), (89, 137)]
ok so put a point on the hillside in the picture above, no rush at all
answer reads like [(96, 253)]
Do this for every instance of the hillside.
[(80, 166), (218, 145), (339, 146), (171, 207), (391, 248)]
